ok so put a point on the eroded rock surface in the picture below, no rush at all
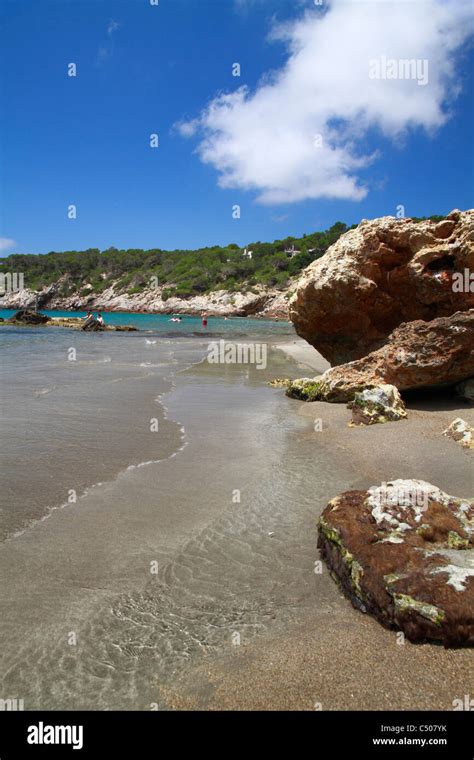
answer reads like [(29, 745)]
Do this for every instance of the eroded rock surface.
[(383, 273), (404, 553), (417, 355)]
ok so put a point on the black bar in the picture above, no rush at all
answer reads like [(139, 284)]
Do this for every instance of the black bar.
[(154, 734)]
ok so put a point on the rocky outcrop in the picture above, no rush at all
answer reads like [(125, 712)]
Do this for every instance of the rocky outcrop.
[(403, 552), (461, 432), (384, 273), (417, 355), (27, 317)]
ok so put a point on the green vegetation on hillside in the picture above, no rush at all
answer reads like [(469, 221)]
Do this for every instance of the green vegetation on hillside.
[(182, 273)]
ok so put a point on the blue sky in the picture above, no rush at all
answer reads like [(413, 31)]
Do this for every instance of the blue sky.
[(144, 69)]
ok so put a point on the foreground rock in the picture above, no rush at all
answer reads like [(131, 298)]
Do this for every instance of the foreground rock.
[(403, 552), (461, 432), (385, 272), (417, 355)]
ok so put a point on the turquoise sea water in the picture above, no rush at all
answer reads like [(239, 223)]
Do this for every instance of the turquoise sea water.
[(190, 325)]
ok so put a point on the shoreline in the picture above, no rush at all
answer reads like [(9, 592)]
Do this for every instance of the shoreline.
[(304, 355)]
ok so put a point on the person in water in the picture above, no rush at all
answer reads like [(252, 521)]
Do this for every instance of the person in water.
[(204, 319), (100, 319)]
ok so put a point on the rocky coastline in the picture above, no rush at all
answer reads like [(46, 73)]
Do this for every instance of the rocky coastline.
[(267, 303)]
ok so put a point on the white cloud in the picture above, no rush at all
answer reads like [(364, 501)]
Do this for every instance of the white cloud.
[(301, 133), (112, 27), (6, 243), (187, 128), (106, 50)]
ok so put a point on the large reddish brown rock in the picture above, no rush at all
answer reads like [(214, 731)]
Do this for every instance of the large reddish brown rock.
[(404, 553), (416, 355), (385, 272)]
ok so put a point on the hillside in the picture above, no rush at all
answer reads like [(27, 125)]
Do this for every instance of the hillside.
[(157, 280)]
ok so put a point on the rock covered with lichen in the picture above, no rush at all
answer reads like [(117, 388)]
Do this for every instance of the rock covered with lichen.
[(370, 404), (404, 553), (323, 388)]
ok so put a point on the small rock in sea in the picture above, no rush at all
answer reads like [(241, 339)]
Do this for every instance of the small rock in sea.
[(461, 432), (404, 550), (27, 317)]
